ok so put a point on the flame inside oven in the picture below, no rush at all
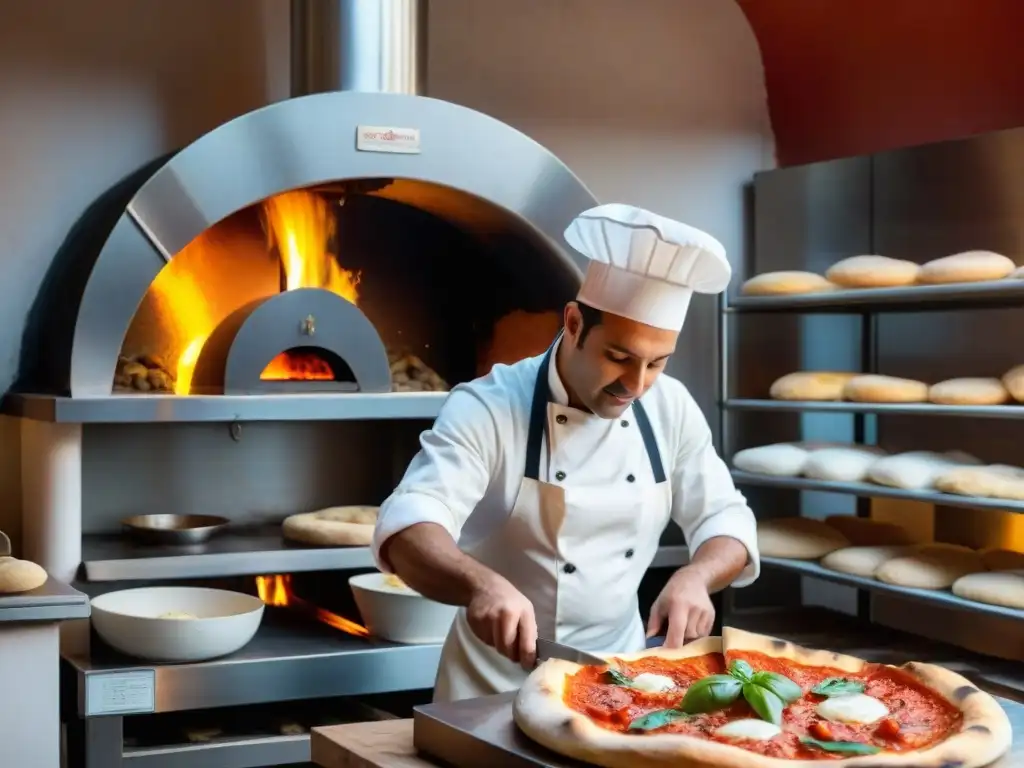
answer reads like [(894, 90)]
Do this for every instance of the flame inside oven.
[(300, 228), (276, 590)]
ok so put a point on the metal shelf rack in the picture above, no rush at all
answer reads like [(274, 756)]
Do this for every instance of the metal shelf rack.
[(932, 596), (252, 552), (881, 409), (867, 303), (870, 490), (991, 294)]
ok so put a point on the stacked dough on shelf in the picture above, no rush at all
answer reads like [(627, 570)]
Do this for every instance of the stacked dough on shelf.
[(886, 552), (874, 271), (953, 472), (837, 386)]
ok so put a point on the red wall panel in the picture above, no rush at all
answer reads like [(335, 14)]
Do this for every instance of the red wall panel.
[(849, 77)]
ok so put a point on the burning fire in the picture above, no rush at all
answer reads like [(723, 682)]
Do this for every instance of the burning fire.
[(277, 591), (300, 226), (289, 366)]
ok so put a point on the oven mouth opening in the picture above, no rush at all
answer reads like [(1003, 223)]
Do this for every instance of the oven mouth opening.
[(308, 364)]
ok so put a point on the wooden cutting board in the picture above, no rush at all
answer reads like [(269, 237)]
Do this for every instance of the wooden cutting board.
[(384, 744)]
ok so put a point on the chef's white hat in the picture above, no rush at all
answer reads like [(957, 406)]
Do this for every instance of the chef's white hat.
[(644, 266)]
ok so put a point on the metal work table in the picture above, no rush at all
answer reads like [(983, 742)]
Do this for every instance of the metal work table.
[(54, 601), (288, 659), (241, 552)]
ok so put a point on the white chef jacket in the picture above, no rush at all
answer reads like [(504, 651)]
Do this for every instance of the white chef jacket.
[(467, 473)]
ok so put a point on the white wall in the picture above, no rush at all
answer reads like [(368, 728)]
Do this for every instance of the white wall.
[(655, 102)]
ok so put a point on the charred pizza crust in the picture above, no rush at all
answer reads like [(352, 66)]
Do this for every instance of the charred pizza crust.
[(984, 734)]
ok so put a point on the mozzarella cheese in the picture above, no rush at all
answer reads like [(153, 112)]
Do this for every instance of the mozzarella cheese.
[(858, 708), (651, 683), (754, 730)]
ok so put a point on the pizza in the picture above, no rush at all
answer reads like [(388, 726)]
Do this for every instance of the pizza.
[(744, 700)]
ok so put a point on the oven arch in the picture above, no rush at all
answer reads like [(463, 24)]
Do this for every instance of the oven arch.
[(306, 142)]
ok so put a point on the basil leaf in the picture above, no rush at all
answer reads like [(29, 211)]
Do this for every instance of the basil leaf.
[(657, 719), (837, 686), (778, 684), (616, 677), (741, 670), (711, 693), (767, 705), (842, 747)]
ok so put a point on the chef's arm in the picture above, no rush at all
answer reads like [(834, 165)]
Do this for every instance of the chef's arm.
[(719, 527), (419, 524), (718, 562), (427, 558)]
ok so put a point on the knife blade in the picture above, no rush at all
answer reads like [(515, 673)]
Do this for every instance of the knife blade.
[(549, 649)]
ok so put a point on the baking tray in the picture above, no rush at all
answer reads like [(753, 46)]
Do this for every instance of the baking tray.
[(476, 732)]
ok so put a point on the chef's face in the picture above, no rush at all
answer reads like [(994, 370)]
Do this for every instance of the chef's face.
[(611, 360)]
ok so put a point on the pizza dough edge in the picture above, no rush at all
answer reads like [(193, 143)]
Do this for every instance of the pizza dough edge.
[(734, 639), (540, 713), (985, 734)]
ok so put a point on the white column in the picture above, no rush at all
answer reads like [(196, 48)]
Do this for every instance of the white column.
[(51, 496), (51, 508)]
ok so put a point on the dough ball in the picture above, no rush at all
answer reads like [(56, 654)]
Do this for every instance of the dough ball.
[(993, 482), (872, 272), (997, 559), (1005, 588), (1013, 380), (969, 391), (20, 575), (915, 470), (865, 532), (931, 567), (843, 465), (872, 388), (966, 267), (785, 284), (811, 385), (781, 460), (333, 527), (798, 538), (862, 561)]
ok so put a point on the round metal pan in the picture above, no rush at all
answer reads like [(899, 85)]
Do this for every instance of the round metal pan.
[(174, 529)]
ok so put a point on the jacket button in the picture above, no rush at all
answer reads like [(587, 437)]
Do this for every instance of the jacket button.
[(559, 475), (630, 478), (560, 418), (624, 423), (629, 553), (569, 568)]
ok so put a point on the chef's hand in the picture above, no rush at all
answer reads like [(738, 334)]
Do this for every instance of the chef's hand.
[(501, 616), (686, 605)]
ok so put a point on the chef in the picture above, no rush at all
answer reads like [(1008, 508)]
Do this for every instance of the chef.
[(538, 498)]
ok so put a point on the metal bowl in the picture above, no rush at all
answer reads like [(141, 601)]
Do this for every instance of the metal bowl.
[(174, 529)]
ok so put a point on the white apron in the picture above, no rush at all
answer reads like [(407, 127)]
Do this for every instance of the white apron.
[(577, 552)]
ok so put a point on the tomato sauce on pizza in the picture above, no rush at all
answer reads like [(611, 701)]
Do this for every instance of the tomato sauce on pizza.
[(829, 714)]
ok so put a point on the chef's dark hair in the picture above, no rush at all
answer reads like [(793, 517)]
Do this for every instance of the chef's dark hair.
[(590, 319)]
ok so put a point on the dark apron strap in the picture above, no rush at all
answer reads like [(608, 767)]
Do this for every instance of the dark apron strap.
[(650, 443), (538, 419), (539, 422)]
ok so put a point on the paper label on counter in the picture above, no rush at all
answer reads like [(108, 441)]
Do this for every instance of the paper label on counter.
[(375, 138), (120, 693)]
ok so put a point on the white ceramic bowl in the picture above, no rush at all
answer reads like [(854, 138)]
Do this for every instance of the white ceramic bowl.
[(400, 614), (129, 620)]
